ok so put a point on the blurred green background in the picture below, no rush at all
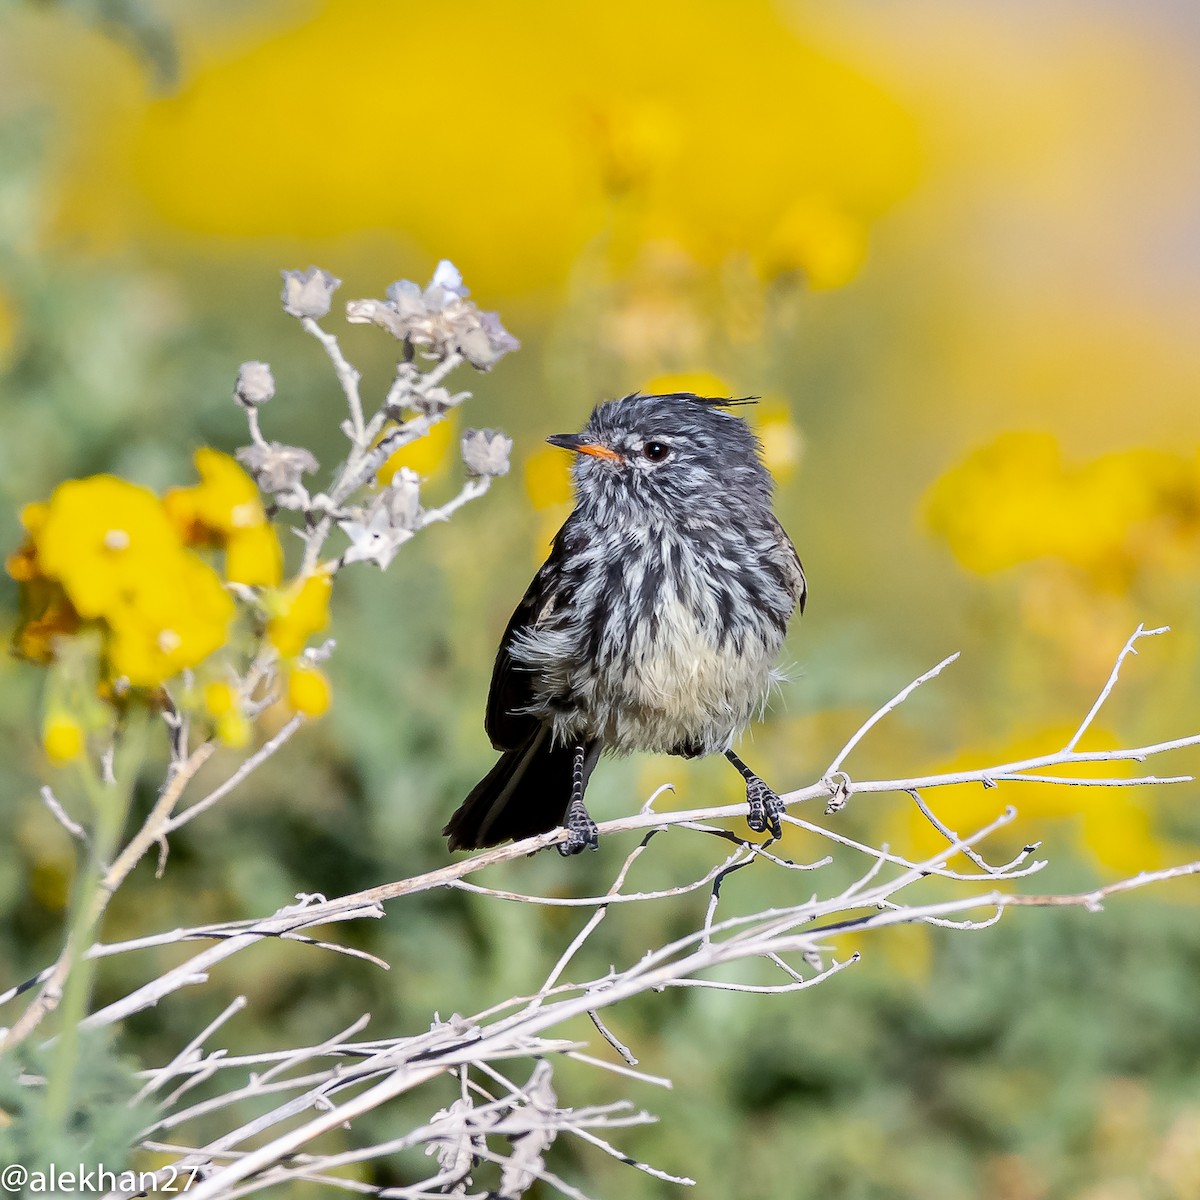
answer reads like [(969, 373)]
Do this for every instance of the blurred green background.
[(956, 249)]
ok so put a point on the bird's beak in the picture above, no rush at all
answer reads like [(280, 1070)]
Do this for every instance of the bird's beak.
[(578, 443)]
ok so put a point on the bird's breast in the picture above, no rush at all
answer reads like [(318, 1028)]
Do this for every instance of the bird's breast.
[(680, 675)]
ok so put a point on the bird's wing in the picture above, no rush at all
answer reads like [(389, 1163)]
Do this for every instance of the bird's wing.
[(793, 570), (508, 722)]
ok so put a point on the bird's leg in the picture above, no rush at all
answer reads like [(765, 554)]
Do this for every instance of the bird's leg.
[(580, 826), (765, 805)]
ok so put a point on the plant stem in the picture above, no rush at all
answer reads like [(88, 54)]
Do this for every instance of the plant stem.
[(110, 809)]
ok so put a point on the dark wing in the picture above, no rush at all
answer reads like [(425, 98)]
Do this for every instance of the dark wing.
[(508, 722), (793, 570)]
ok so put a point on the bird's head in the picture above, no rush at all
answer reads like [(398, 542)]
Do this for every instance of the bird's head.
[(679, 454)]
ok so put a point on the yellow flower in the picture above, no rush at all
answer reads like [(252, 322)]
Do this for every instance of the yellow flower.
[(308, 690), (9, 330), (254, 556), (429, 456), (177, 620), (222, 702), (104, 550), (818, 239), (548, 477), (46, 615), (22, 565), (224, 509), (301, 611), (103, 538), (233, 730), (782, 441), (1015, 500), (220, 698), (62, 738)]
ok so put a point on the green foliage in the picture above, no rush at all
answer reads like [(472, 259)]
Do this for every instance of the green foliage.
[(101, 1123)]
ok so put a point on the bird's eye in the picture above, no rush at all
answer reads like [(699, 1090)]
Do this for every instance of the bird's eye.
[(656, 451)]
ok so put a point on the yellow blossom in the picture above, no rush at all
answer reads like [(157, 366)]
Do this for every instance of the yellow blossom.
[(224, 509), (308, 690), (548, 477), (818, 239), (46, 615), (8, 330), (233, 730), (1015, 500), (220, 698), (222, 702), (179, 618), (103, 539), (62, 738), (301, 611), (22, 565), (429, 456), (254, 556)]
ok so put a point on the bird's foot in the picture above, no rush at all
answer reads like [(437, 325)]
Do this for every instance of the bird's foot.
[(765, 808), (582, 831)]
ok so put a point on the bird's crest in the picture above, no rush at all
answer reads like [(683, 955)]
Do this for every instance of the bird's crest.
[(710, 401)]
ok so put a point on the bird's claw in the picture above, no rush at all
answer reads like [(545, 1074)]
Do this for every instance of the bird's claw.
[(765, 808), (581, 829)]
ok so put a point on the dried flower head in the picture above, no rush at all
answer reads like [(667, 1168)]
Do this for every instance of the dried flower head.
[(377, 531), (401, 499), (255, 384), (275, 467), (308, 293), (485, 451), (438, 318)]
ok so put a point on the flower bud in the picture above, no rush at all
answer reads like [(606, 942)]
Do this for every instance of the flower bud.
[(255, 384)]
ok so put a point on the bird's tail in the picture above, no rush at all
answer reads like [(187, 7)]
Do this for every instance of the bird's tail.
[(525, 793)]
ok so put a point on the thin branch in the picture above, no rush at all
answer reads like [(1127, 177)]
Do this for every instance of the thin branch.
[(250, 765), (877, 716), (76, 830), (1140, 632), (347, 375)]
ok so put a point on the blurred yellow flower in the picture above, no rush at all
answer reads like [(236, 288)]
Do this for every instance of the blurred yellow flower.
[(105, 550), (782, 441), (595, 116), (8, 329), (224, 509), (300, 611), (308, 690), (46, 615), (429, 456), (1014, 500), (818, 239), (220, 698), (62, 738), (548, 477), (175, 620), (105, 539), (253, 556), (22, 564)]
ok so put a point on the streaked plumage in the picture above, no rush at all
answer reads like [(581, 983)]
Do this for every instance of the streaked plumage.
[(655, 623)]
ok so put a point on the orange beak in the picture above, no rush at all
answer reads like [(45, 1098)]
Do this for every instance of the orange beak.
[(576, 442)]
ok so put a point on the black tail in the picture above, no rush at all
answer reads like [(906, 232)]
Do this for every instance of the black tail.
[(525, 793)]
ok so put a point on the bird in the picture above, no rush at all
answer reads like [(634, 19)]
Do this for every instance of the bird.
[(655, 624)]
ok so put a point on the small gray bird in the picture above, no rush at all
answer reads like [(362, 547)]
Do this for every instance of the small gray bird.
[(655, 623)]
